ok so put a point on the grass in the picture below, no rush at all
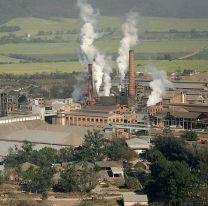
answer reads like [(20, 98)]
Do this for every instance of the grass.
[(68, 51), (108, 46), (31, 68), (4, 59), (39, 48), (166, 24), (158, 46), (33, 25), (170, 66)]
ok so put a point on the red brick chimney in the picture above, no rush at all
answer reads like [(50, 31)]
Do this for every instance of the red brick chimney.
[(90, 85), (132, 92)]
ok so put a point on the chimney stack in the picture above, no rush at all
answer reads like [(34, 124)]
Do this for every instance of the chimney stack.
[(132, 92), (90, 85)]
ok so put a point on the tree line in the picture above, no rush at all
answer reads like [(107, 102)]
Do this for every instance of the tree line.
[(179, 171), (40, 179)]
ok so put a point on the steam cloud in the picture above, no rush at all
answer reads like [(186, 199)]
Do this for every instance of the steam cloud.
[(90, 53), (130, 39), (77, 93), (159, 85)]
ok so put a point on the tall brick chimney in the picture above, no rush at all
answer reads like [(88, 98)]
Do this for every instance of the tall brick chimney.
[(90, 85), (132, 92)]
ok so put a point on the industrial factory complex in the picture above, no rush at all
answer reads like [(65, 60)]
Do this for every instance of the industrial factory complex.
[(124, 112), (111, 131)]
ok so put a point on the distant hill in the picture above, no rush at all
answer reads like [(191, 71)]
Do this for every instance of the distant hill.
[(66, 8)]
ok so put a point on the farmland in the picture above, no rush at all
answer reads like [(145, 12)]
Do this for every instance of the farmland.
[(74, 66), (109, 46), (62, 53), (33, 25)]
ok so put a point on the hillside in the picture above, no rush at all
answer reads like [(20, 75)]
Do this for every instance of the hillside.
[(66, 8), (53, 43), (152, 24)]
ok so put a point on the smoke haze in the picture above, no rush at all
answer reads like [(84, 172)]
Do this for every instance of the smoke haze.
[(89, 53), (159, 85), (129, 40)]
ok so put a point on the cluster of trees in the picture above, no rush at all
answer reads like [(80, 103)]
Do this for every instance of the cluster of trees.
[(94, 148), (28, 202), (12, 38), (165, 57), (179, 171), (9, 28), (47, 85), (39, 76), (74, 31), (59, 32), (190, 136)]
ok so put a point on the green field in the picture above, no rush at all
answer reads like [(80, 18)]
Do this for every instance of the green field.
[(31, 68), (33, 25), (108, 46), (67, 51), (170, 66), (4, 59)]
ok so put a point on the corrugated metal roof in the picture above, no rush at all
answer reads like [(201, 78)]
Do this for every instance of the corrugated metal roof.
[(185, 115), (135, 198)]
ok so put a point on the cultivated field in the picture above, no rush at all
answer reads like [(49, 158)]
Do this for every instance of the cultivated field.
[(109, 46), (33, 25), (62, 55), (74, 66)]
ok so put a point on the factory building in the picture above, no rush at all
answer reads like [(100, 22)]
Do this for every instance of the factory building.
[(103, 111), (3, 103)]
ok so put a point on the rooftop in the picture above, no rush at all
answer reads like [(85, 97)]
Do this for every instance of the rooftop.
[(109, 164), (135, 198), (137, 141), (39, 133)]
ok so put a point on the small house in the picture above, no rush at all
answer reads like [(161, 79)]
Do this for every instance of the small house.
[(113, 168)]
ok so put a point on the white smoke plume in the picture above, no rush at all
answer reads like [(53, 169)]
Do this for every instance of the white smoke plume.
[(159, 85), (107, 77), (129, 40), (90, 53), (78, 93), (98, 67), (87, 34)]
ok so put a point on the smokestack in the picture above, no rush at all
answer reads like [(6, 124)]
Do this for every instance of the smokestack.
[(132, 91), (90, 85)]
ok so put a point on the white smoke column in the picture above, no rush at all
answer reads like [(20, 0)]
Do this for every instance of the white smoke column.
[(102, 70), (107, 77), (90, 53), (88, 34), (129, 40), (98, 67), (159, 85)]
